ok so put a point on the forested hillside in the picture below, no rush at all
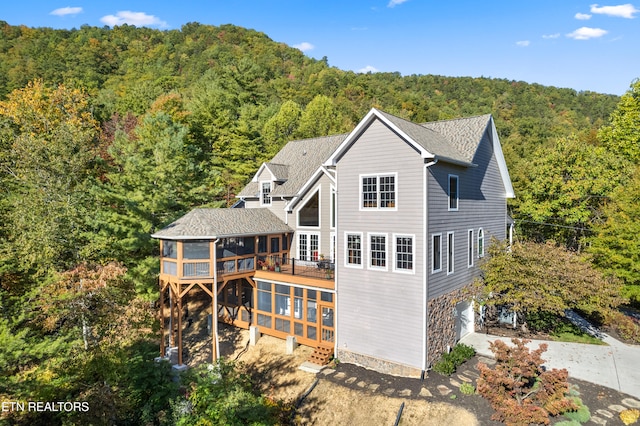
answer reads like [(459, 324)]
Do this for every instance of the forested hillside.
[(107, 135)]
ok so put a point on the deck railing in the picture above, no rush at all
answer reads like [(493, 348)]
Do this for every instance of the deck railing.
[(319, 269)]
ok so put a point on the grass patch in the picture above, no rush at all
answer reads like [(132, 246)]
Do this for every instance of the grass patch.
[(566, 331)]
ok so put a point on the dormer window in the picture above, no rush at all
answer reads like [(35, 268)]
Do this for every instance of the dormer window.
[(265, 193)]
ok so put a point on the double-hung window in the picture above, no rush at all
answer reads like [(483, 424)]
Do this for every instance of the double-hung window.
[(404, 253), (436, 253), (265, 193), (378, 251), (470, 248), (480, 243), (353, 249), (450, 252), (378, 191), (453, 192)]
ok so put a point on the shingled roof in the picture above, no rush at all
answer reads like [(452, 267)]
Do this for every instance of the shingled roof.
[(301, 158), (208, 224), (462, 133)]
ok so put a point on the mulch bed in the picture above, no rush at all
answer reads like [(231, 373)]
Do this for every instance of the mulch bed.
[(593, 396)]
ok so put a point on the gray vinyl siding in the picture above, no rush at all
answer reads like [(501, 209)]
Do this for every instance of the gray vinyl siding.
[(482, 204), (381, 313)]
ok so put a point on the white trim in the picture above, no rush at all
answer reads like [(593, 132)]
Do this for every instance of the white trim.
[(261, 193), (259, 172), (471, 254), (457, 178), (308, 185), (433, 269), (304, 203), (378, 176), (309, 253), (333, 207), (484, 243), (346, 251), (386, 251), (502, 164), (451, 252), (333, 241), (372, 115), (413, 254)]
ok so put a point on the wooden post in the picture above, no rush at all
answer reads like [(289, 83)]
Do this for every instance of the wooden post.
[(179, 330), (172, 302), (162, 348), (214, 324)]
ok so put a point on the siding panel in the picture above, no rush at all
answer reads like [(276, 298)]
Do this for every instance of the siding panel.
[(381, 312)]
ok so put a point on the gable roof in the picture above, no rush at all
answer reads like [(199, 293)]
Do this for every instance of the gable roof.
[(299, 160), (429, 143), (206, 224)]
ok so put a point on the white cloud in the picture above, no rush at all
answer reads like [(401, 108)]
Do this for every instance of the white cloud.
[(139, 19), (620, 11), (583, 16), (64, 11), (523, 43), (304, 46), (585, 33), (394, 3), (368, 69), (551, 36)]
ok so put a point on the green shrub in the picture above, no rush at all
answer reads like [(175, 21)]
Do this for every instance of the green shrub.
[(467, 389), (450, 361), (581, 415)]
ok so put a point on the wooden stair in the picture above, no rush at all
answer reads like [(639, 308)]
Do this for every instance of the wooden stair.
[(321, 355)]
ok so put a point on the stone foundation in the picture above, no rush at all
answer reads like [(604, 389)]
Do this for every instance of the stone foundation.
[(380, 365), (441, 329)]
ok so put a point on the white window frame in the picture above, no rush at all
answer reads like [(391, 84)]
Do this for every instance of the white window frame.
[(413, 254), (433, 253), (304, 203), (346, 250), (332, 247), (451, 252), (262, 193), (377, 177), (309, 254), (456, 199), (333, 212), (370, 251), (470, 246), (481, 243)]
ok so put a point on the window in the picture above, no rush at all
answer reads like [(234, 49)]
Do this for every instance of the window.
[(378, 192), (470, 248), (353, 251), (195, 250), (404, 253), (378, 251), (450, 252), (308, 246), (453, 192), (169, 249), (275, 244), (436, 252), (265, 193), (262, 244), (333, 207), (309, 214), (480, 243)]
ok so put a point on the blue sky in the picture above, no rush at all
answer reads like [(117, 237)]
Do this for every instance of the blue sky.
[(568, 43)]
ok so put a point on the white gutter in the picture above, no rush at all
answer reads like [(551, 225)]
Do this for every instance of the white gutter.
[(425, 265)]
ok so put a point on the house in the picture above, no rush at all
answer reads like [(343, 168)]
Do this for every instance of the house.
[(363, 243)]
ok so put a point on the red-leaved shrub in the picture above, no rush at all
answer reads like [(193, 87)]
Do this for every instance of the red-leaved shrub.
[(519, 389)]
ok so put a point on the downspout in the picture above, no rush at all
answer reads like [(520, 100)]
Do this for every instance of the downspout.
[(214, 304), (425, 265)]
